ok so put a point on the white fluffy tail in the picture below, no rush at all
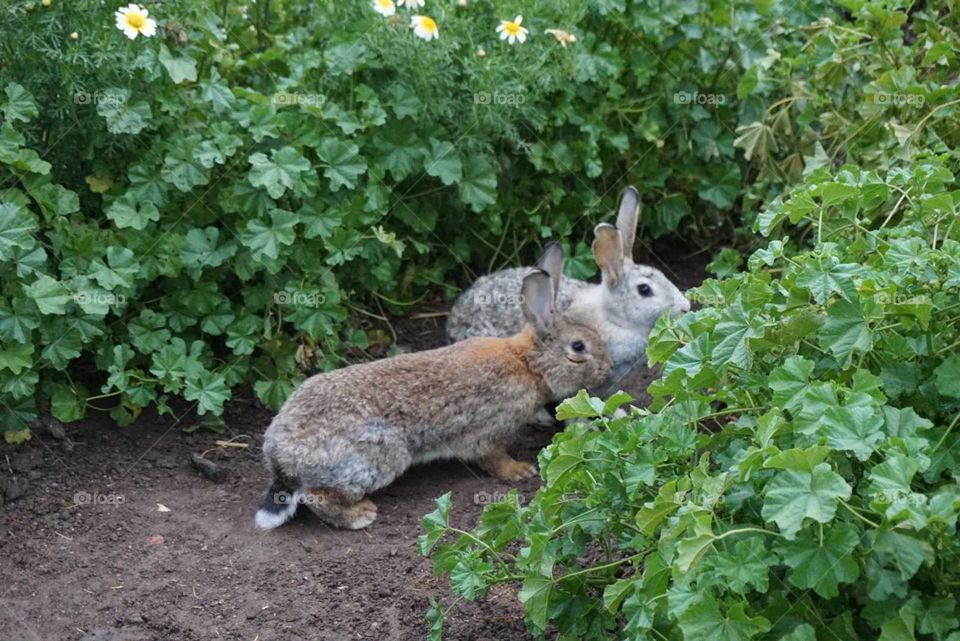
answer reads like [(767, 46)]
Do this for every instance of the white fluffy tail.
[(278, 506)]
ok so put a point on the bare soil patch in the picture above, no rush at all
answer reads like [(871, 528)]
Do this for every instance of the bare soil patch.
[(110, 534)]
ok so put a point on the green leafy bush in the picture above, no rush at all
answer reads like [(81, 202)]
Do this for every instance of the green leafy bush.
[(208, 208), (214, 206), (796, 475)]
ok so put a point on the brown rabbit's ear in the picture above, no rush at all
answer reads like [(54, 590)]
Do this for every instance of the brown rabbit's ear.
[(537, 292), (552, 263), (627, 216), (608, 252)]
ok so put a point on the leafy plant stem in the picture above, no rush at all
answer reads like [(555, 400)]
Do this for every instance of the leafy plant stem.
[(946, 433), (857, 514), (598, 568)]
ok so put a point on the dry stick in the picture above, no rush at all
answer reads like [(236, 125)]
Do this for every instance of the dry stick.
[(228, 443), (231, 444), (425, 315)]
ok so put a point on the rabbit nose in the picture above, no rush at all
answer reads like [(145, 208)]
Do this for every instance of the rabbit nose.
[(683, 305)]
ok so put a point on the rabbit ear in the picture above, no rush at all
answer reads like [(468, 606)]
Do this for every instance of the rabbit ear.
[(627, 216), (552, 263), (537, 295), (608, 252)]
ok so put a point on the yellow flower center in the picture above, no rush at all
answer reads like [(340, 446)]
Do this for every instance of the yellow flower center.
[(427, 24), (511, 28), (385, 3), (135, 20)]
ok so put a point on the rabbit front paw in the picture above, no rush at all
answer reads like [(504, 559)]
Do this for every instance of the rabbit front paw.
[(517, 471), (506, 468)]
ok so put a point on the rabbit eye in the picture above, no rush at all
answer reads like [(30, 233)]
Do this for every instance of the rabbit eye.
[(578, 346), (644, 290)]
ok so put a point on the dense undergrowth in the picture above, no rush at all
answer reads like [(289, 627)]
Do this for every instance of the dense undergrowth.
[(795, 477), (217, 205)]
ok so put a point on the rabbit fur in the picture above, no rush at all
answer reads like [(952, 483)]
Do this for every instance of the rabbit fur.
[(346, 433), (623, 307)]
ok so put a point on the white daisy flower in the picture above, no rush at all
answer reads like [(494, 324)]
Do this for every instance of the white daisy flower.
[(411, 4), (132, 20), (424, 27), (384, 7), (511, 31)]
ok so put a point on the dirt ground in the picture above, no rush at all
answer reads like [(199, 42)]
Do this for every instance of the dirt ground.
[(108, 534)]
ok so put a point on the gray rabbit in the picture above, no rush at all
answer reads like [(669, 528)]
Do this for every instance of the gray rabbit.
[(347, 433), (623, 307)]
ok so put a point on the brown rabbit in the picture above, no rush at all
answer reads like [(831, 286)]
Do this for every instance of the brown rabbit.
[(347, 433)]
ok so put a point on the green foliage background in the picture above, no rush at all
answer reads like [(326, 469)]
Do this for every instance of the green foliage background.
[(795, 477), (213, 207), (164, 200)]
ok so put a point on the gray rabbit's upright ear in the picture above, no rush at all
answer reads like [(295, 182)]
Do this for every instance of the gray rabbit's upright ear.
[(552, 263), (627, 216), (608, 252), (537, 292)]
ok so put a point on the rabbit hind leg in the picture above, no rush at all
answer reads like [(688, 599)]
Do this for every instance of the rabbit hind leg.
[(343, 509), (371, 459)]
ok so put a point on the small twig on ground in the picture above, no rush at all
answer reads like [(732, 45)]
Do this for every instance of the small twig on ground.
[(230, 443)]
